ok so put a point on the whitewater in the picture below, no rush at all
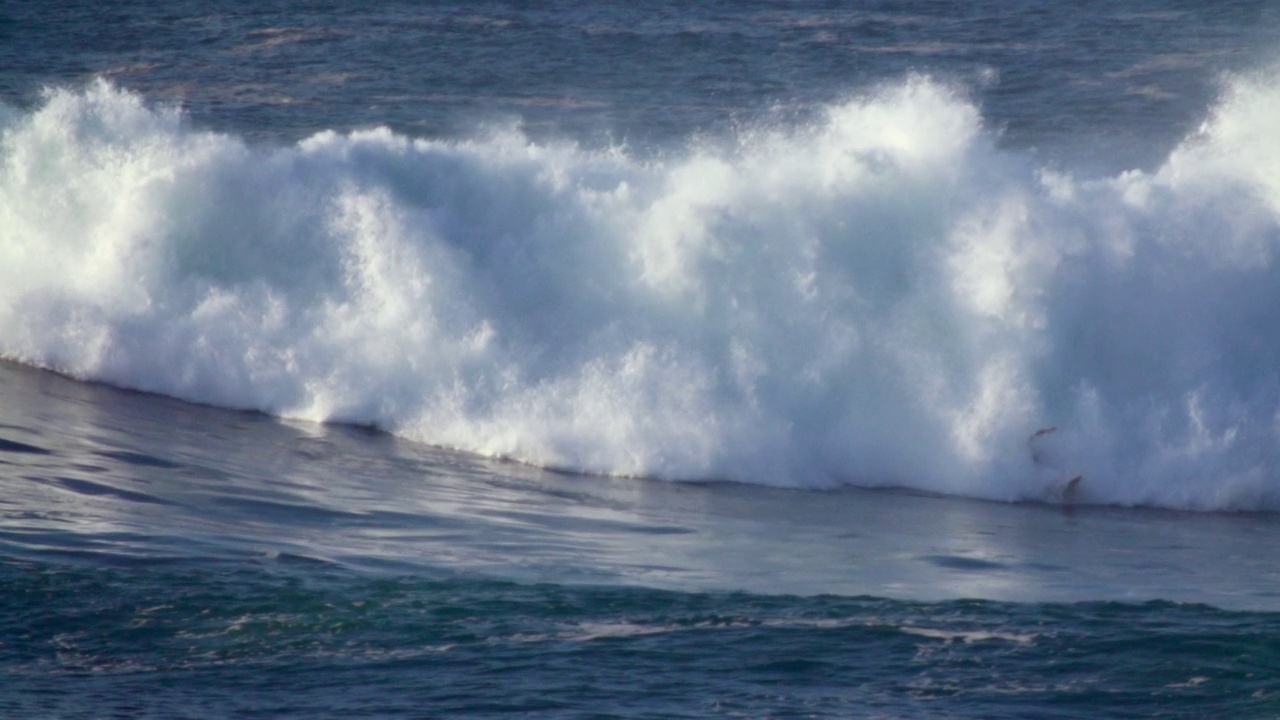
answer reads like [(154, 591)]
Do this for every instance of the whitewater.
[(883, 295)]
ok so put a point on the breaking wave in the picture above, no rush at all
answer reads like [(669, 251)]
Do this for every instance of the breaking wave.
[(880, 297)]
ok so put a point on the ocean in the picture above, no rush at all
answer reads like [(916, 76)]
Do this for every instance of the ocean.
[(394, 359)]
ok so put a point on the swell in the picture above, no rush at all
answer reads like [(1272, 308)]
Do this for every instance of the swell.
[(878, 297)]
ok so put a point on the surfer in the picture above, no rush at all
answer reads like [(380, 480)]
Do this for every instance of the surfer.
[(1062, 491)]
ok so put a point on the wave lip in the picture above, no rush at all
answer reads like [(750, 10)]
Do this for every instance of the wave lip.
[(880, 297)]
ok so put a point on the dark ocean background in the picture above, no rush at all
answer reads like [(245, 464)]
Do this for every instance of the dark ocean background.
[(752, 359)]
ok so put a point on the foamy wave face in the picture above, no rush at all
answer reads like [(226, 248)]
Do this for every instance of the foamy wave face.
[(882, 297)]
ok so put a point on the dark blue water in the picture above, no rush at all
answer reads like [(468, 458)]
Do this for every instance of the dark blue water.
[(661, 360), (237, 641), (1131, 80)]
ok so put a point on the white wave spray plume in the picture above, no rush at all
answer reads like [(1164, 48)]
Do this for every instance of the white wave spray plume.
[(881, 297)]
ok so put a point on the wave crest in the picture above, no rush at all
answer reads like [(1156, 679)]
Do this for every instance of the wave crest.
[(881, 297)]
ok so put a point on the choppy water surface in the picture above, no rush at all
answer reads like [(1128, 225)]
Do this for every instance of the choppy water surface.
[(1130, 80), (248, 642)]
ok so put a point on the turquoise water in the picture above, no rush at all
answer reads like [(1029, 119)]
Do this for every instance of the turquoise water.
[(429, 359)]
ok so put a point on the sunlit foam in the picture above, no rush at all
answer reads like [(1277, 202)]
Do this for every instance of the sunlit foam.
[(880, 297)]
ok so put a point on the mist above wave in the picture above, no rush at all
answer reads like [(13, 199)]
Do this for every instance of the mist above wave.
[(880, 297)]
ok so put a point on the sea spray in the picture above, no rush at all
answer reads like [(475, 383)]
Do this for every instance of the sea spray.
[(880, 297)]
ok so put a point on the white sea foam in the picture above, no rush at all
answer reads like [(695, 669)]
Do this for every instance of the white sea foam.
[(970, 636), (882, 297)]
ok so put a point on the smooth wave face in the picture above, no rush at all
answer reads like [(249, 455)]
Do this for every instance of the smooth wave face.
[(881, 297)]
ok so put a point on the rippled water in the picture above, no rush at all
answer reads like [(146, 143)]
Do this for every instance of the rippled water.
[(251, 642)]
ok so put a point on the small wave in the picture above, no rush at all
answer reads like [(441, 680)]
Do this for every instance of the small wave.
[(970, 636)]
